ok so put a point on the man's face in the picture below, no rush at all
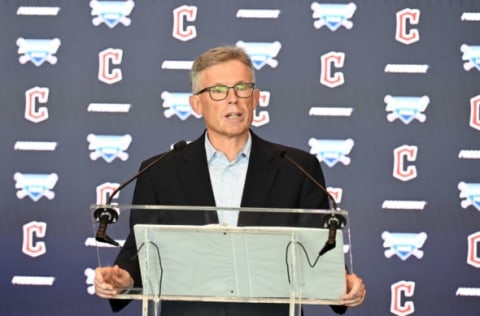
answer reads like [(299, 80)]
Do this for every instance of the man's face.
[(232, 116)]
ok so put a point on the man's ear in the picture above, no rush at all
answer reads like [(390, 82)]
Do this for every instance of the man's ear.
[(195, 104)]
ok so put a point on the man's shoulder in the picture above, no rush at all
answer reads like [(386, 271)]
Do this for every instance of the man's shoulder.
[(176, 155), (281, 149)]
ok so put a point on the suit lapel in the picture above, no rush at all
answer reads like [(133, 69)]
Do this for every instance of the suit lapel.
[(261, 174), (196, 178)]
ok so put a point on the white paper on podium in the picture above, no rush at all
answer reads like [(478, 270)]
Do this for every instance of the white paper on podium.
[(216, 263)]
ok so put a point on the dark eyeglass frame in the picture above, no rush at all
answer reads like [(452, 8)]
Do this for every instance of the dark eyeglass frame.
[(250, 86)]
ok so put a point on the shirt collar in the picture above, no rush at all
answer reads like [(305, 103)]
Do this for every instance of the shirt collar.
[(211, 151)]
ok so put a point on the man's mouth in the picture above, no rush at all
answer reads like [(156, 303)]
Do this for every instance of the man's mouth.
[(233, 115)]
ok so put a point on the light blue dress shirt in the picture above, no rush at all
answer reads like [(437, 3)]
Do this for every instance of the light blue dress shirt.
[(228, 179)]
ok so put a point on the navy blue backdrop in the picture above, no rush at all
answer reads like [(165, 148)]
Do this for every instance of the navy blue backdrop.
[(385, 93)]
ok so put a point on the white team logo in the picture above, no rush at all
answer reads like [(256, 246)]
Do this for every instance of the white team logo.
[(329, 63), (109, 147), (331, 151), (473, 253), (111, 12), (89, 280), (32, 232), (105, 190), (33, 97), (333, 15), (261, 53), (405, 33), (106, 59), (471, 56), (181, 15), (403, 245), (177, 103), (38, 50), (262, 117), (406, 109), (336, 193), (470, 193), (399, 304), (475, 112), (35, 185), (401, 155)]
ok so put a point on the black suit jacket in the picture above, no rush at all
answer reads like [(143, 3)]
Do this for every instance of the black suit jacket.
[(182, 178)]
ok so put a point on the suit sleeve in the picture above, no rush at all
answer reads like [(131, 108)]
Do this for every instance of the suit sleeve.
[(127, 257)]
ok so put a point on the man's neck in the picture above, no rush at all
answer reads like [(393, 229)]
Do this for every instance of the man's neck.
[(230, 146)]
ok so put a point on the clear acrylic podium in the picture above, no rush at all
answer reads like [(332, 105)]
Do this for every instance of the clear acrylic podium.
[(250, 264)]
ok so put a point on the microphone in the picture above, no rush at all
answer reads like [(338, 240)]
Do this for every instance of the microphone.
[(107, 214), (334, 220)]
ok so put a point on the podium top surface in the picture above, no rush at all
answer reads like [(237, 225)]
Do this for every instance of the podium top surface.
[(216, 208)]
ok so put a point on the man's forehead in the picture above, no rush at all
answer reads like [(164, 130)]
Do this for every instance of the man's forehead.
[(229, 72)]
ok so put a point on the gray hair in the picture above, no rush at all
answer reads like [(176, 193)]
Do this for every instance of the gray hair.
[(216, 56)]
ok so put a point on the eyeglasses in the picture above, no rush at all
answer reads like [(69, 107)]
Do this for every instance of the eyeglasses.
[(220, 92)]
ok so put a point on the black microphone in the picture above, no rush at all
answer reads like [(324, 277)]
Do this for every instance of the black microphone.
[(107, 214), (334, 220)]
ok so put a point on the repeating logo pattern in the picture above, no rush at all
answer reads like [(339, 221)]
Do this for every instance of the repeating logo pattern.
[(338, 27)]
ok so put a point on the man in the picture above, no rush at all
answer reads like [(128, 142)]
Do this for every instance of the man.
[(230, 166)]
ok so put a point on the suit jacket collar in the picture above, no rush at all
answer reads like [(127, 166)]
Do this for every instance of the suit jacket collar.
[(260, 177), (261, 174)]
